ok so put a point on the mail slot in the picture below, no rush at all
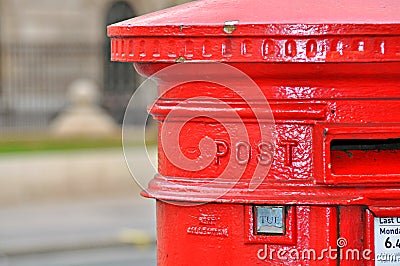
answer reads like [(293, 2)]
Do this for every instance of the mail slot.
[(365, 156), (293, 161)]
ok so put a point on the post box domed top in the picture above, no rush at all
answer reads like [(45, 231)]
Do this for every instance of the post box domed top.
[(262, 30)]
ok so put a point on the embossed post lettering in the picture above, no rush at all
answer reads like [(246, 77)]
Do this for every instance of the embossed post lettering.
[(222, 150), (265, 155), (243, 152), (288, 145)]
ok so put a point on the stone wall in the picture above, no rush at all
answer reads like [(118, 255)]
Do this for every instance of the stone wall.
[(47, 44), (72, 20)]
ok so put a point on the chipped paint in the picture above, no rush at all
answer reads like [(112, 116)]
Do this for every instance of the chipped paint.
[(180, 59), (230, 26)]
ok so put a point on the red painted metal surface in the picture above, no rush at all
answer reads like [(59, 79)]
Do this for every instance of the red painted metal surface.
[(330, 71)]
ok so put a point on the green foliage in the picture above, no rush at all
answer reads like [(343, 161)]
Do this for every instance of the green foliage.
[(17, 145)]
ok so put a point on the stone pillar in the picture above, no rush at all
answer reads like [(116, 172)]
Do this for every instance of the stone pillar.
[(83, 117)]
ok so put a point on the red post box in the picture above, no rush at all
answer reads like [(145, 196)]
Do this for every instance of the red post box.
[(329, 188)]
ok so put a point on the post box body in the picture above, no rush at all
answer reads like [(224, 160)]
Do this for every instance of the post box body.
[(332, 83)]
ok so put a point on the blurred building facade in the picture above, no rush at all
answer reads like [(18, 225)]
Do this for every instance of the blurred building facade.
[(47, 44)]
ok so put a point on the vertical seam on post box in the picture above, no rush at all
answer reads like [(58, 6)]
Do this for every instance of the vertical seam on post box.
[(338, 234)]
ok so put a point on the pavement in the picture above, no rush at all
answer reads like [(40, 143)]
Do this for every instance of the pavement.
[(112, 256), (75, 208), (54, 175), (95, 231)]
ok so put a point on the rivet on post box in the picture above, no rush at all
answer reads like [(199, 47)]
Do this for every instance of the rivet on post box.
[(279, 130)]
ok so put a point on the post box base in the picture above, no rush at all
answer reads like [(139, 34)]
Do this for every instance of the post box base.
[(227, 234)]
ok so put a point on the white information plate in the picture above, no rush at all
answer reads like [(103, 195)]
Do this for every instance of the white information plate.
[(387, 241)]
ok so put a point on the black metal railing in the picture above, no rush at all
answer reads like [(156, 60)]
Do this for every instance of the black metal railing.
[(35, 78)]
